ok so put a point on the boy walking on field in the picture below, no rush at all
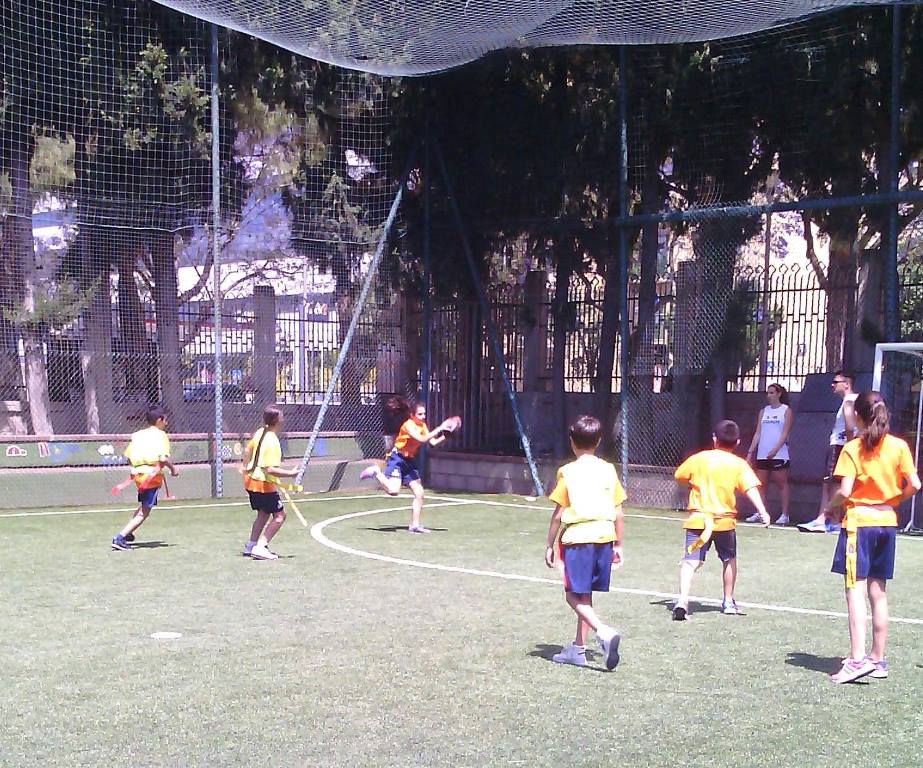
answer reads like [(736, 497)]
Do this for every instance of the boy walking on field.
[(586, 527), (262, 458), (148, 454), (713, 476)]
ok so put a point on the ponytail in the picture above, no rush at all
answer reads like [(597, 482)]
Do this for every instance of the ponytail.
[(397, 410), (873, 412)]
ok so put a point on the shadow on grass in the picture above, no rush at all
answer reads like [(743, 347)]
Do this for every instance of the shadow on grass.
[(825, 664), (150, 545), (694, 607), (546, 651), (396, 529)]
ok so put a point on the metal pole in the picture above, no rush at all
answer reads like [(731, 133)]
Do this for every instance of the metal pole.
[(764, 320), (623, 254), (216, 268), (488, 320), (426, 336), (892, 322), (354, 320)]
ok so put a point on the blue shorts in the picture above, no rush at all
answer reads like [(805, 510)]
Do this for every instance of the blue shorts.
[(725, 545), (587, 567), (270, 502), (402, 467), (148, 497), (874, 553)]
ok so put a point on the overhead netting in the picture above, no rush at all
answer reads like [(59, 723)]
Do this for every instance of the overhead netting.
[(418, 37)]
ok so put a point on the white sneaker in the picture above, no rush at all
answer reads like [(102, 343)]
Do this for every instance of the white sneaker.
[(609, 640), (571, 654), (248, 548), (754, 518), (783, 520), (262, 553)]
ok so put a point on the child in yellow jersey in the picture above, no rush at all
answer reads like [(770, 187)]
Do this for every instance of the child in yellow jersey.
[(713, 477), (876, 474), (148, 454), (400, 466), (587, 528), (262, 459)]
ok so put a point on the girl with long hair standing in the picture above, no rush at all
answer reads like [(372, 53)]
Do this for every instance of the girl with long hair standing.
[(876, 474)]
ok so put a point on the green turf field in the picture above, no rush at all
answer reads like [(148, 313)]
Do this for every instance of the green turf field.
[(330, 658)]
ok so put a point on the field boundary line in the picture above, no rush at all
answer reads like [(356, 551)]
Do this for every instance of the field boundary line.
[(317, 533)]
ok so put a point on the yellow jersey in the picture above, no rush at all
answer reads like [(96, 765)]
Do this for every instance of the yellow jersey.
[(877, 479), (713, 477), (589, 493), (146, 453), (265, 451)]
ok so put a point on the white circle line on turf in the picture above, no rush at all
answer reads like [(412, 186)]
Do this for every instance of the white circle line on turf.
[(317, 533)]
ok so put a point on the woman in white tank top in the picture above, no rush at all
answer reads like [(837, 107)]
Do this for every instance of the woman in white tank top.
[(769, 448)]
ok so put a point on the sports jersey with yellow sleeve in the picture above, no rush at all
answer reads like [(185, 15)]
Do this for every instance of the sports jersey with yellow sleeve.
[(713, 477), (404, 444), (588, 491), (877, 476), (265, 451), (146, 452)]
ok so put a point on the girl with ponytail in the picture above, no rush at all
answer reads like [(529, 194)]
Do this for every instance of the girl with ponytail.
[(876, 474)]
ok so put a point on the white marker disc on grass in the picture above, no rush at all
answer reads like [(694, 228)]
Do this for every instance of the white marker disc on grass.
[(528, 498), (166, 635)]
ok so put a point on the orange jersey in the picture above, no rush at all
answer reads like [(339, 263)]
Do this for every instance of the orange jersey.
[(404, 444), (877, 479), (713, 477)]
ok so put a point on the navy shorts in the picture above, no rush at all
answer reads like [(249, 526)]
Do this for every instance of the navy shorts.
[(270, 502), (874, 553), (587, 567), (402, 467), (725, 545), (148, 497)]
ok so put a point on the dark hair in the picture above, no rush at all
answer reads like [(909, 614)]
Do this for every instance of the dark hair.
[(871, 408), (271, 415), (154, 414), (846, 375), (727, 433), (397, 409), (586, 432), (783, 392)]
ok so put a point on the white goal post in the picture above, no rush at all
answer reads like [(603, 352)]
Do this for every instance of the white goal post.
[(898, 375)]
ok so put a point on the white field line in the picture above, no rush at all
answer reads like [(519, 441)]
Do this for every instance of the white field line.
[(204, 505), (317, 532)]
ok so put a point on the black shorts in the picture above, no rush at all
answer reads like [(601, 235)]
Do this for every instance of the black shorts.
[(270, 503), (833, 453), (772, 465)]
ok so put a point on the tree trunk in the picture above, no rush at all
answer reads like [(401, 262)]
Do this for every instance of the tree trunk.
[(166, 306), (133, 345), (840, 285), (36, 371), (559, 308), (96, 350), (605, 360)]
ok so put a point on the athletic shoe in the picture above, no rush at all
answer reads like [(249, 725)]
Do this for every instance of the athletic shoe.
[(783, 520), (815, 526), (119, 542), (754, 518), (730, 609), (262, 553), (853, 670), (130, 538), (881, 669), (368, 473), (609, 640), (680, 612), (248, 548), (571, 654), (418, 529)]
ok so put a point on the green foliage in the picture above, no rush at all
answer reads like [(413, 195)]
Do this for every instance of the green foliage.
[(58, 304)]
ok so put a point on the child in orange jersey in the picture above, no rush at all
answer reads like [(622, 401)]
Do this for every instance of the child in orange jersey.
[(400, 466), (713, 476), (876, 474)]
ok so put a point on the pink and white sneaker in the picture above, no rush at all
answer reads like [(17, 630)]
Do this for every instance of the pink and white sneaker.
[(368, 473)]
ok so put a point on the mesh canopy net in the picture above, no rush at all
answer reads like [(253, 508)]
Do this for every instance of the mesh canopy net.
[(417, 37)]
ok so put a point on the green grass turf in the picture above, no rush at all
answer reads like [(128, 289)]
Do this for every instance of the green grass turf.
[(328, 659)]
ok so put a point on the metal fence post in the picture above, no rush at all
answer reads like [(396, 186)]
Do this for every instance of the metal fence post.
[(217, 334)]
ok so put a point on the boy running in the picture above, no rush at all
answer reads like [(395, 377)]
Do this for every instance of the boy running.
[(876, 474), (588, 516), (148, 453), (262, 458), (713, 476)]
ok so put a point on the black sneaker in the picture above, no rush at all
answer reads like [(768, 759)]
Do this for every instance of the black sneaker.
[(119, 542), (130, 538), (679, 612)]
